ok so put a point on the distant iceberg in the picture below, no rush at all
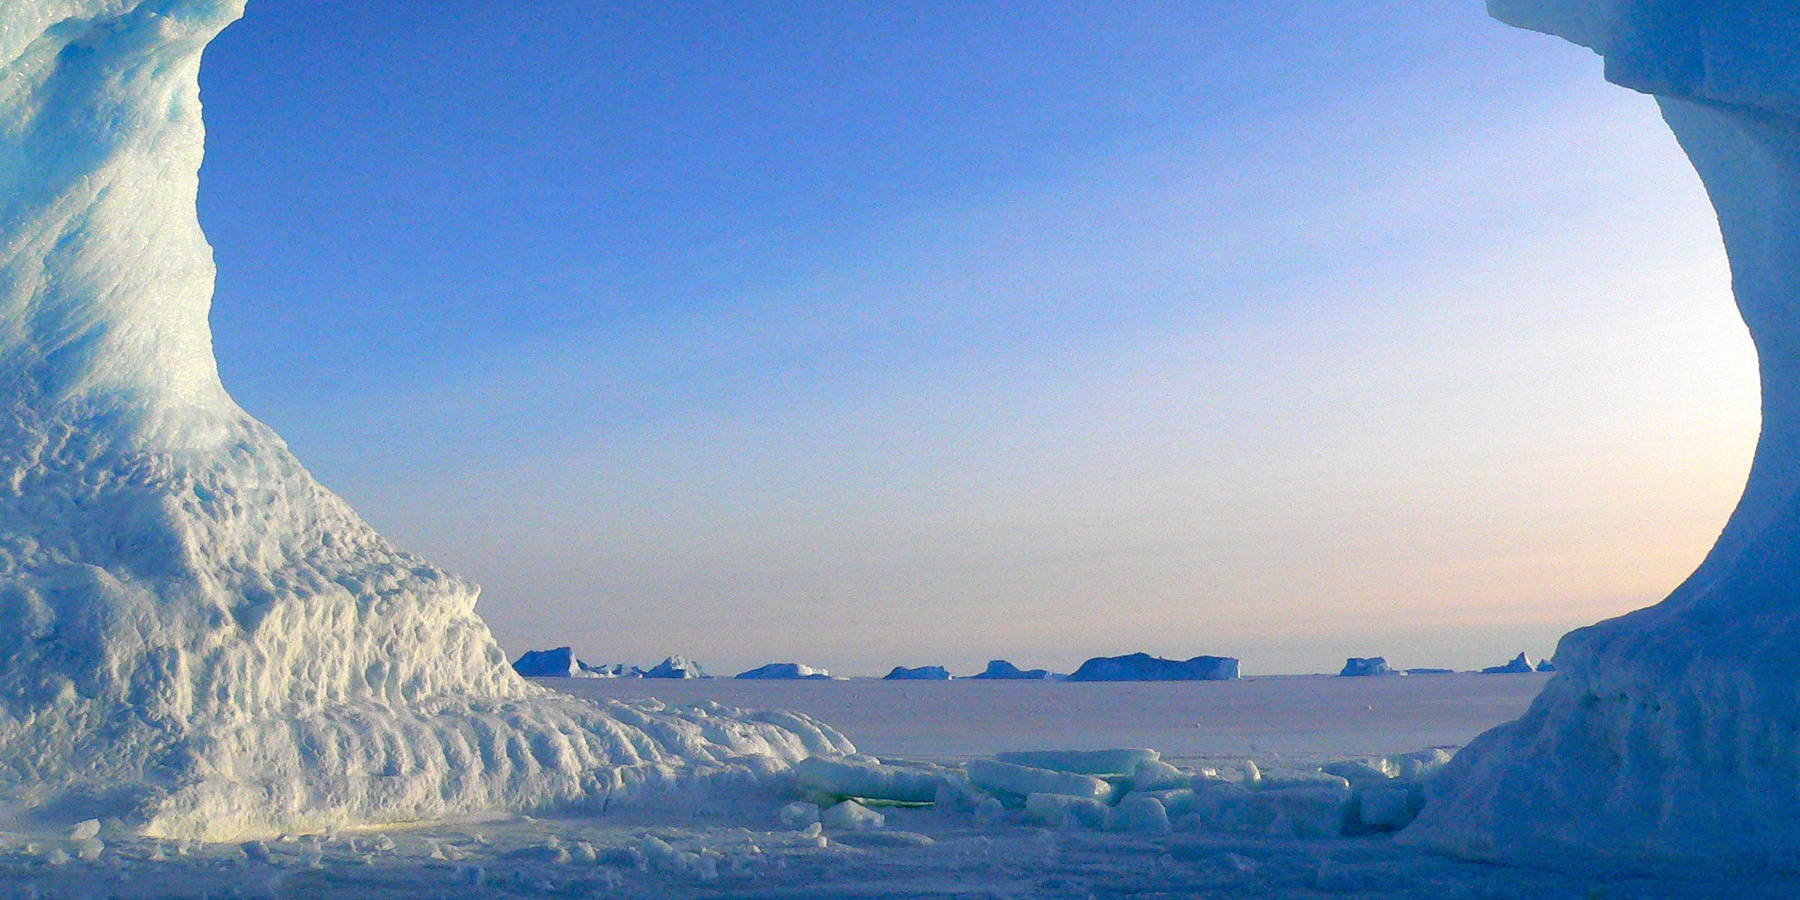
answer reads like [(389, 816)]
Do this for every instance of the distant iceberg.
[(1361, 667), (1520, 664), (921, 673), (557, 663), (610, 670), (784, 672), (1144, 667), (1001, 670), (676, 667)]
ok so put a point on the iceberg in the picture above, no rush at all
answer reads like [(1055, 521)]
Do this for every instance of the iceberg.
[(557, 663), (1358, 667), (200, 639), (607, 670), (1673, 733), (1001, 670), (785, 671), (1519, 664), (1144, 667), (920, 673), (676, 667)]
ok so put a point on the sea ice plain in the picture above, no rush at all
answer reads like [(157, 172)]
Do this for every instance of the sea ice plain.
[(779, 837)]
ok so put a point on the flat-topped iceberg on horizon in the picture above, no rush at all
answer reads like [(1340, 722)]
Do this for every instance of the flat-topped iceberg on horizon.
[(1001, 670), (559, 662), (1144, 667), (785, 672)]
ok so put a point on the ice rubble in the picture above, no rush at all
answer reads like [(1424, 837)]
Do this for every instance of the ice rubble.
[(1131, 790), (607, 670), (1674, 732), (199, 638)]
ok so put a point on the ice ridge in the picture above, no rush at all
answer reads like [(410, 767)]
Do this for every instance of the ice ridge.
[(1673, 733)]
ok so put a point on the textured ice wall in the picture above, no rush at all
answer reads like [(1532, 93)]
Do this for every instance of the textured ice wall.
[(1674, 732), (194, 634)]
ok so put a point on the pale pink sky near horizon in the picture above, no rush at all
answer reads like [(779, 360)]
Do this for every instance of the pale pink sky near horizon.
[(1518, 412), (1397, 369)]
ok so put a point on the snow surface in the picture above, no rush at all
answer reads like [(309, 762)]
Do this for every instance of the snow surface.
[(1674, 732), (200, 639), (1226, 832)]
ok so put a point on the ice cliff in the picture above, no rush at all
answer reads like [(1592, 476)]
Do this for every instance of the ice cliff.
[(196, 635), (1674, 732)]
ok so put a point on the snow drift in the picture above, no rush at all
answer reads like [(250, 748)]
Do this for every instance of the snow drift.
[(1674, 732), (198, 637)]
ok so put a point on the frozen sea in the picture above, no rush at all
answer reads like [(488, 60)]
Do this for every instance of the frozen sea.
[(1271, 719), (706, 843)]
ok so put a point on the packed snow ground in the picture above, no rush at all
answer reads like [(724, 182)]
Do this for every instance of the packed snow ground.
[(748, 839)]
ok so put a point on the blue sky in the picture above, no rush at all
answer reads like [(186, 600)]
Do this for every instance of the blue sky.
[(927, 333)]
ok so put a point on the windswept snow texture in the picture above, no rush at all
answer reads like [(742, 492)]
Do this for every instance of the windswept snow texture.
[(197, 637), (1674, 732)]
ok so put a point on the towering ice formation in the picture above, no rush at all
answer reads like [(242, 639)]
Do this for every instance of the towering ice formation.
[(194, 634), (1675, 731)]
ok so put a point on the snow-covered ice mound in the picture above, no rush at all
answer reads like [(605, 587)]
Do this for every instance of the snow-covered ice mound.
[(1674, 732), (196, 635)]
